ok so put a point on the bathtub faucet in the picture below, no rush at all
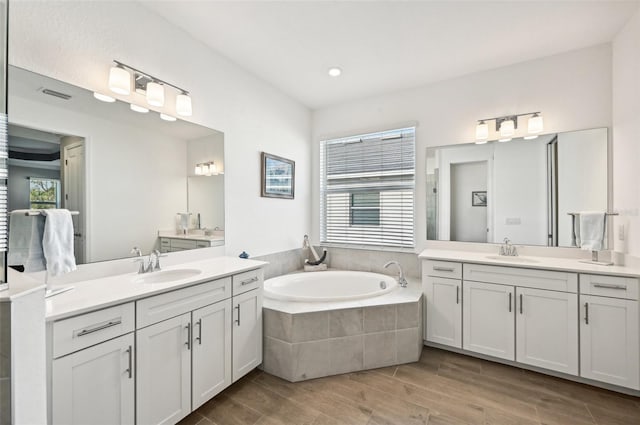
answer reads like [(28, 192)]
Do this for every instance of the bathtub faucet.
[(401, 280)]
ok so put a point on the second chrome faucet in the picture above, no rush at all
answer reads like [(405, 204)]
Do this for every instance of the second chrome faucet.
[(151, 266), (508, 249)]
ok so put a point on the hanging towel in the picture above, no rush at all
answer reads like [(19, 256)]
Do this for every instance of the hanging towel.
[(592, 230), (575, 235), (57, 242), (25, 241)]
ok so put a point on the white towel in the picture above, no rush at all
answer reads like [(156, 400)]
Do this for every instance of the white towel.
[(57, 242), (25, 241), (592, 227)]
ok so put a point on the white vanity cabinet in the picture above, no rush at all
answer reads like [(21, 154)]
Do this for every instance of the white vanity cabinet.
[(442, 287), (247, 322), (93, 370), (168, 244), (181, 335), (609, 330)]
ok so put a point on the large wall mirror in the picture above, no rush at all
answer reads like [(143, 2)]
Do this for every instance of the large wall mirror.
[(524, 190), (129, 175)]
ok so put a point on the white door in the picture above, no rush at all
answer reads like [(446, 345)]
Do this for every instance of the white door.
[(547, 329), (247, 332), (488, 319), (73, 199), (444, 311), (211, 351), (609, 348), (163, 389), (95, 385)]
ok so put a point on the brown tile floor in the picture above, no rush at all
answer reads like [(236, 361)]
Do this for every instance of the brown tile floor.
[(443, 388)]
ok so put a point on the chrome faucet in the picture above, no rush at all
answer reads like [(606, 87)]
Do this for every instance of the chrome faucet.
[(508, 249), (401, 280), (150, 266), (135, 250)]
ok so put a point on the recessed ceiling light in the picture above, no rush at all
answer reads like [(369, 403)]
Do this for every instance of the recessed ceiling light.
[(103, 97), (139, 109), (335, 71)]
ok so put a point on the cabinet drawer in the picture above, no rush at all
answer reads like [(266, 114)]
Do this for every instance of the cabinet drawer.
[(183, 244), (247, 281), (528, 278), (83, 331), (203, 244), (165, 306), (442, 269), (609, 286), (165, 243)]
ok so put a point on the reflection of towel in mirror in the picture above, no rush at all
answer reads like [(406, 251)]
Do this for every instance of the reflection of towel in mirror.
[(592, 230), (57, 242), (25, 241)]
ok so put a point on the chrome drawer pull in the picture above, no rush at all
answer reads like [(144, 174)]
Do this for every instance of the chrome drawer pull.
[(199, 337), (510, 295), (586, 313), (248, 281), (130, 370), (188, 343), (457, 294), (99, 328), (609, 286), (443, 269), (521, 303), (238, 308)]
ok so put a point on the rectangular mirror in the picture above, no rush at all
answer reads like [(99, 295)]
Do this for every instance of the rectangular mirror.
[(522, 189), (128, 174)]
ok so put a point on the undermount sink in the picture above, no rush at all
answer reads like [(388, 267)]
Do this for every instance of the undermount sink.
[(512, 259), (167, 276)]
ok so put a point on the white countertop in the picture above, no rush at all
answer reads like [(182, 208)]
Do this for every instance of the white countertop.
[(411, 293), (190, 236), (112, 290), (546, 263)]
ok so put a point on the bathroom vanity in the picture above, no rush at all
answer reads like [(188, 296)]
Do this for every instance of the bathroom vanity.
[(172, 242), (557, 316), (151, 348)]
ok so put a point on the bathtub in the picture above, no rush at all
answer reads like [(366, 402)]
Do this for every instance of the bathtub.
[(326, 323), (328, 286)]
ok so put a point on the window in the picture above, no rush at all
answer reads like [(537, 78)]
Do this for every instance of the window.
[(367, 186), (44, 193)]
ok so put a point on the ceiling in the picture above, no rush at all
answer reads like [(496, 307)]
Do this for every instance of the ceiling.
[(386, 46)]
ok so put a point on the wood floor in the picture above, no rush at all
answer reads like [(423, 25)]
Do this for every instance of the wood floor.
[(443, 388)]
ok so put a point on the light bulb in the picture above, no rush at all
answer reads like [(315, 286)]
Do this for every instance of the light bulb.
[(481, 142), (335, 71), (140, 109), (119, 80), (507, 129), (103, 97), (535, 124), (482, 131), (167, 117), (506, 139), (198, 169), (155, 94), (183, 105)]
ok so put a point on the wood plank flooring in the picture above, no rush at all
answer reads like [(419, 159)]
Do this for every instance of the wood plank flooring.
[(443, 388)]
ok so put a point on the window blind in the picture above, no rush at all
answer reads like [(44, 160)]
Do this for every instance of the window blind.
[(367, 187), (4, 175)]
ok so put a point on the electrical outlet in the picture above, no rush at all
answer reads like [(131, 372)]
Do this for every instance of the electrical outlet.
[(621, 232), (513, 221)]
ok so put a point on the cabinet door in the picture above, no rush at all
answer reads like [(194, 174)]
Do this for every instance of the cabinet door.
[(247, 332), (547, 329), (609, 340), (488, 319), (95, 385), (164, 371), (211, 351), (444, 311)]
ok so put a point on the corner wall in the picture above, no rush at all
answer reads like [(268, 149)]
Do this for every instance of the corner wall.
[(573, 91), (626, 136), (76, 41)]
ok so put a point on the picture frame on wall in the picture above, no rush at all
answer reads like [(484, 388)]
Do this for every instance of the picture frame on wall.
[(479, 198), (278, 176)]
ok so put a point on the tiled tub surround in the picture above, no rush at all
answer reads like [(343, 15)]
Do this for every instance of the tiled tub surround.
[(311, 340)]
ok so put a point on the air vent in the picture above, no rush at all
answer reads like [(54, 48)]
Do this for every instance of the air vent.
[(56, 94)]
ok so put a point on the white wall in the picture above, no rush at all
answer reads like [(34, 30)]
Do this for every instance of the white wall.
[(468, 223), (520, 192), (573, 91), (76, 41), (626, 133)]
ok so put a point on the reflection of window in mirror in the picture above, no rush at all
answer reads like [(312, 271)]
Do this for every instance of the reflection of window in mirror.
[(44, 193)]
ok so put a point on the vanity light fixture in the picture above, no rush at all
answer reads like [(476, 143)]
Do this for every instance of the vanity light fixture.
[(507, 126), (138, 108), (167, 117), (121, 75), (207, 169), (103, 97)]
